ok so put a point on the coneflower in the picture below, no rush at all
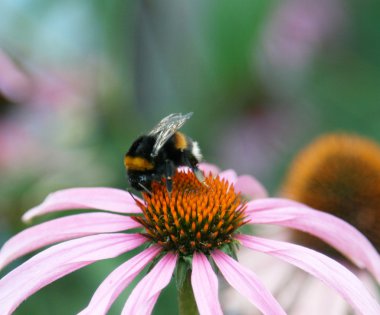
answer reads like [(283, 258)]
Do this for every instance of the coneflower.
[(188, 229)]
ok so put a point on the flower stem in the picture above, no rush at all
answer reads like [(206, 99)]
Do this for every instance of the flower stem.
[(186, 300)]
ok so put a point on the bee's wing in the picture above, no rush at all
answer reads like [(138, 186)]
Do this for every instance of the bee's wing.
[(166, 128)]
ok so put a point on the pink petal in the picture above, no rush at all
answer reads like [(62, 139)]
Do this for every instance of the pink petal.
[(270, 203), (117, 281), (205, 286), (184, 169), (247, 284), (58, 261), (145, 294), (229, 175), (209, 168), (320, 266), (63, 229), (327, 227), (251, 187), (102, 198)]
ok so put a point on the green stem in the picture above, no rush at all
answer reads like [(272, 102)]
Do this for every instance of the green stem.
[(186, 300)]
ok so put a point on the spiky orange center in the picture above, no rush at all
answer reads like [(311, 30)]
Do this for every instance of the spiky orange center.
[(195, 216)]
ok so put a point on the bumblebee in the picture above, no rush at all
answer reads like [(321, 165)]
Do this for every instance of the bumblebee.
[(157, 155)]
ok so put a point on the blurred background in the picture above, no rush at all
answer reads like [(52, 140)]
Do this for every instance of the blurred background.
[(80, 80)]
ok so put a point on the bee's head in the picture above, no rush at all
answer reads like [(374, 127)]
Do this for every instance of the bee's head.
[(140, 180)]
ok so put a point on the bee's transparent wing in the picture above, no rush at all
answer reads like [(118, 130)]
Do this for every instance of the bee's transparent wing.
[(166, 128)]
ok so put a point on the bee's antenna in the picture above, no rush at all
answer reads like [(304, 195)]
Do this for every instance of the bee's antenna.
[(132, 195), (129, 192), (138, 202)]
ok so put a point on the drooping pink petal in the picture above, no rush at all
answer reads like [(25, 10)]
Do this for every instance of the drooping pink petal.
[(229, 175), (208, 168), (63, 229), (58, 261), (117, 281), (145, 294), (320, 266), (102, 198), (205, 286), (251, 187), (334, 231), (270, 203), (247, 284)]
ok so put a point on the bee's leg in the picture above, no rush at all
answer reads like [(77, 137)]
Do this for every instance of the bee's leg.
[(145, 189), (197, 172), (199, 175), (169, 172)]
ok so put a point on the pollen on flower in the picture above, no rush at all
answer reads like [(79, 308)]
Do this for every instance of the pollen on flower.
[(339, 174), (195, 216)]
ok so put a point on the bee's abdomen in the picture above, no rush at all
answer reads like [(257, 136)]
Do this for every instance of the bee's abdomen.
[(180, 141), (180, 150)]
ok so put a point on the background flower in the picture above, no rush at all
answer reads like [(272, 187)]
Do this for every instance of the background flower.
[(337, 173)]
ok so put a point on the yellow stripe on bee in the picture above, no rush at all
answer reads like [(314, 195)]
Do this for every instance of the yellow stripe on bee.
[(180, 141), (137, 163)]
